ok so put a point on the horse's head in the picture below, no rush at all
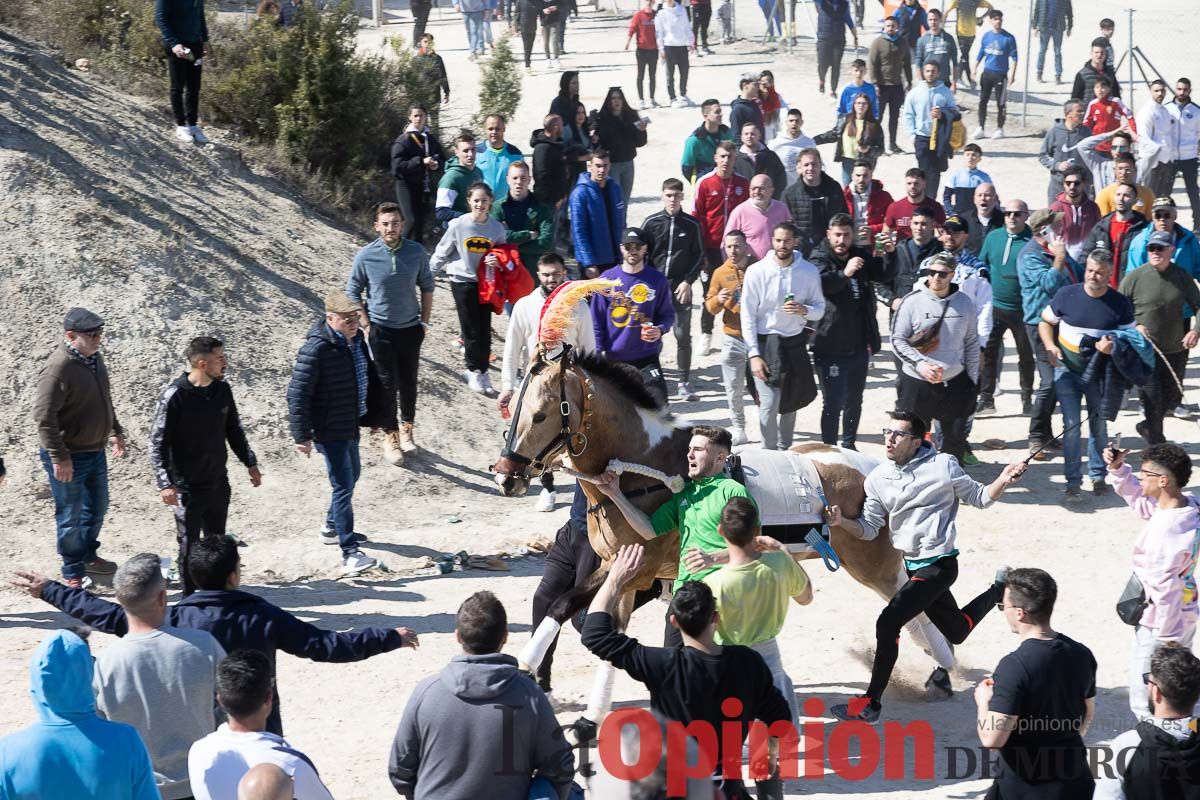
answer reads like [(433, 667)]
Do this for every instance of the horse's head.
[(548, 420)]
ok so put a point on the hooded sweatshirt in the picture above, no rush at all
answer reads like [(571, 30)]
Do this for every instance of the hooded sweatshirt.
[(918, 501), (447, 742), (958, 341), (70, 752), (700, 150), (452, 191), (1059, 146), (1161, 758)]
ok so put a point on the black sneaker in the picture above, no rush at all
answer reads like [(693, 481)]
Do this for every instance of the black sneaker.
[(867, 711), (1026, 404), (938, 683), (985, 406), (896, 149)]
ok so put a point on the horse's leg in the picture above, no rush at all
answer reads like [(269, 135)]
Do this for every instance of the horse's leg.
[(561, 610)]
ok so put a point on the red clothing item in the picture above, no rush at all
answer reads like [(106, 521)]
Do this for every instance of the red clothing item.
[(899, 215), (1105, 115), (1116, 232), (715, 198), (878, 203), (643, 25), (507, 284), (1078, 221)]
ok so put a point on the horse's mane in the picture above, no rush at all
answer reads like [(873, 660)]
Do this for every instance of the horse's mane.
[(624, 378)]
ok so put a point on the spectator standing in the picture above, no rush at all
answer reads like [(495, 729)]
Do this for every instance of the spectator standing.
[(328, 398), (1122, 168), (998, 57), (528, 221), (938, 46), (758, 218), (812, 201), (456, 709), (1159, 291), (1116, 232), (76, 419), (1080, 213), (1104, 112), (902, 259), (1156, 122), (527, 16), (717, 194), (420, 11), (929, 113), (701, 11), (642, 28), (744, 107), (898, 218), (473, 12), (1058, 146), (858, 85), (912, 18), (780, 296), (157, 678), (1164, 555), (1185, 249), (1001, 251), (567, 99), (70, 751), (965, 27), (1187, 132), (867, 202), (236, 619), (459, 176), (631, 321), (789, 144), (857, 136), (217, 763), (395, 276), (755, 158), (848, 334), (1107, 29), (676, 249), (1095, 310), (724, 297), (467, 246), (673, 35), (1089, 73), (434, 69), (959, 191), (890, 59), (184, 31), (1041, 699), (621, 132), (551, 173), (195, 416), (288, 11), (833, 20), (984, 217), (416, 159), (494, 155), (597, 216), (699, 149), (771, 103), (554, 30), (1051, 20)]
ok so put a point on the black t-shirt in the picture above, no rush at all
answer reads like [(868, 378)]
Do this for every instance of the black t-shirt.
[(1044, 683)]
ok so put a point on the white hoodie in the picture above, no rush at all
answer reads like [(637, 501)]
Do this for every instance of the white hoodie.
[(672, 28)]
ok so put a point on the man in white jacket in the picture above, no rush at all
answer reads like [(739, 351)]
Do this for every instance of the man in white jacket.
[(521, 341), (673, 34), (1156, 123)]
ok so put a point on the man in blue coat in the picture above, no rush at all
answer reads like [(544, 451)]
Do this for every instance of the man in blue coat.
[(236, 619), (597, 216)]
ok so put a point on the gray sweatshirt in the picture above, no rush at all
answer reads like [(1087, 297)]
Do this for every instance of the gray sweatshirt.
[(958, 342), (918, 501), (449, 741), (464, 244), (391, 279), (164, 684)]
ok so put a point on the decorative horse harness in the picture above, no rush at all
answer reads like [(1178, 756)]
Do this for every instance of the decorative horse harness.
[(575, 443)]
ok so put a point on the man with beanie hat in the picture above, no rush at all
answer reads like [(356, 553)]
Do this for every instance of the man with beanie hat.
[(75, 419)]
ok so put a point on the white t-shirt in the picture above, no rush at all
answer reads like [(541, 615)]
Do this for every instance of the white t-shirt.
[(217, 763)]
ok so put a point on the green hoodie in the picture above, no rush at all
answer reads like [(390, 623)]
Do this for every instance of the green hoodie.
[(452, 191)]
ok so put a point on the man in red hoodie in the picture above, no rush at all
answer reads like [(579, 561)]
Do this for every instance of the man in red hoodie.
[(717, 194), (868, 203), (1080, 213)]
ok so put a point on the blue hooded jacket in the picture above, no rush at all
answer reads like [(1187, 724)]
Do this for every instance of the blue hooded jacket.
[(70, 751), (597, 221)]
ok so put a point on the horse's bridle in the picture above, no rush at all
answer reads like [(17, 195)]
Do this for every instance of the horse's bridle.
[(575, 442)]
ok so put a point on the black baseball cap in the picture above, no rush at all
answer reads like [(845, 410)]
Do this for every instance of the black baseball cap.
[(634, 236), (956, 224)]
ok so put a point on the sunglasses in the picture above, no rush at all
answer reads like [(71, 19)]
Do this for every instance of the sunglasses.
[(93, 335), (1145, 473), (1164, 215), (633, 246), (1072, 183), (939, 273), (1015, 213), (348, 318), (1157, 248)]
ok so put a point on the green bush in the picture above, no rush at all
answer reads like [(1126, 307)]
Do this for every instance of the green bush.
[(500, 87)]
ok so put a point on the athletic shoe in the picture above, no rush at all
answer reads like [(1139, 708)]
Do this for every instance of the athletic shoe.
[(529, 70), (833, 95), (739, 436), (978, 134), (998, 133), (1073, 496), (1037, 452), (329, 537), (821, 88), (1181, 412), (643, 105), (678, 103), (1039, 78), (699, 53), (687, 101), (939, 683), (198, 135), (473, 381), (391, 448), (100, 566), (407, 443), (545, 501), (654, 103), (79, 583), (1099, 488), (985, 407), (485, 381), (686, 393), (184, 134), (708, 51), (969, 459), (357, 562), (896, 150), (705, 344), (866, 711), (1143, 430)]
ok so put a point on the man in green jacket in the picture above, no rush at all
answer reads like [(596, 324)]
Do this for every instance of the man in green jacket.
[(461, 172), (529, 221), (699, 151), (1000, 250)]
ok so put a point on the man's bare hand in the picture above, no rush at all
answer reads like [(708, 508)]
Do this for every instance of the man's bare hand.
[(409, 638), (758, 367), (504, 399), (1053, 356), (626, 565), (833, 516), (305, 448), (1114, 459), (725, 295), (1013, 471), (118, 446), (1106, 345), (64, 471), (608, 483), (767, 544), (169, 496), (696, 560), (683, 293), (32, 583), (853, 266), (255, 476)]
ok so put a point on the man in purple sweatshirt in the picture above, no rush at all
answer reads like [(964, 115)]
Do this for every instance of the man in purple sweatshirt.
[(631, 321)]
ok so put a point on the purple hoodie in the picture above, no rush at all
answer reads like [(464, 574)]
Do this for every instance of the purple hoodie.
[(643, 297)]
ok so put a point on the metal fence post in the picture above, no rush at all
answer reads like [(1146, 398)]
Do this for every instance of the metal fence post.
[(1130, 96), (1028, 59)]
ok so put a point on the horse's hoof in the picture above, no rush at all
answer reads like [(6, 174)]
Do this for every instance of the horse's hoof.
[(938, 686)]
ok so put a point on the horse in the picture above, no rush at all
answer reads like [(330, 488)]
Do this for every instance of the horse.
[(583, 410)]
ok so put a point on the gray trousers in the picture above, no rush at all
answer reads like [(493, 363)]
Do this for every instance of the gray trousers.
[(776, 428), (1144, 645), (622, 173), (733, 377)]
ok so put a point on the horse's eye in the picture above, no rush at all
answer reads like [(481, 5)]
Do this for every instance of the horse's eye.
[(539, 418)]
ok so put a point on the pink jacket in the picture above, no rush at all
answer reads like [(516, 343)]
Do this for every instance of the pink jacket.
[(1164, 558)]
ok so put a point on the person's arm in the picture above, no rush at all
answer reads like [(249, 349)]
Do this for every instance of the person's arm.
[(1077, 87), (551, 757), (235, 434), (603, 640), (515, 347), (159, 438), (143, 785), (83, 606), (997, 700), (170, 39), (712, 302), (1046, 330), (581, 233), (609, 484), (304, 640), (971, 345), (446, 249), (301, 389), (814, 298), (750, 305), (47, 405), (870, 521), (425, 286), (903, 327), (404, 760)]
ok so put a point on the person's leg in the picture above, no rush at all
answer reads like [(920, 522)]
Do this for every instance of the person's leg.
[(1144, 645), (684, 66), (823, 62), (1070, 397), (652, 63), (193, 71), (768, 414), (70, 536), (94, 475), (341, 458), (769, 650), (1026, 364), (835, 66), (622, 172), (733, 377), (928, 161), (1189, 167), (831, 375), (216, 510), (1002, 100), (705, 14), (683, 338), (1043, 45), (1044, 395), (466, 298), (893, 96), (713, 259), (1097, 431), (176, 70), (404, 200), (640, 57), (957, 624), (559, 576), (987, 82), (420, 12), (188, 525), (964, 56), (672, 638), (408, 361), (856, 367), (528, 37), (1151, 398), (989, 364), (385, 346), (847, 171), (671, 63), (1058, 37)]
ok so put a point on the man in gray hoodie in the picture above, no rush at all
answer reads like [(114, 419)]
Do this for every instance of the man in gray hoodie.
[(494, 729), (916, 494)]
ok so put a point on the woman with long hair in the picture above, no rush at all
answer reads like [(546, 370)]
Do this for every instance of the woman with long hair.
[(858, 135), (772, 105), (621, 132)]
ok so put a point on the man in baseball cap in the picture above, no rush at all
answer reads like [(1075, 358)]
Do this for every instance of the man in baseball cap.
[(1186, 249), (76, 419)]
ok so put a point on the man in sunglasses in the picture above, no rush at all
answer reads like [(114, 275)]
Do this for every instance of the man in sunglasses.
[(1118, 165), (1080, 213), (1000, 251), (916, 493), (1185, 248), (76, 420)]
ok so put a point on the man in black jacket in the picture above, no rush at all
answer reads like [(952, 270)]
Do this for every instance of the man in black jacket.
[(902, 260), (813, 200), (848, 334), (327, 399), (676, 250), (196, 415), (236, 619), (417, 158), (1115, 232), (551, 171)]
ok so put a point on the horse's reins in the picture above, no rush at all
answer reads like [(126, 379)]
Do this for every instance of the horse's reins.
[(565, 437)]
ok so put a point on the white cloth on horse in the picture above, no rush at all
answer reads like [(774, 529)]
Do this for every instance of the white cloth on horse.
[(785, 485)]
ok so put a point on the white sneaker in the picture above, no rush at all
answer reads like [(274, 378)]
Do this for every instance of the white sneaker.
[(687, 102), (1181, 412), (473, 381), (357, 562), (198, 135), (739, 436), (998, 133), (643, 105), (699, 53), (686, 393), (978, 134), (545, 501), (705, 344), (678, 103), (485, 384), (184, 134)]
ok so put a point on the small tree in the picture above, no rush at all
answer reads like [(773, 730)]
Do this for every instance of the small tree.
[(500, 89)]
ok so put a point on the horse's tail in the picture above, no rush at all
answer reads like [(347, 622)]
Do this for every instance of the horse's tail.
[(575, 600)]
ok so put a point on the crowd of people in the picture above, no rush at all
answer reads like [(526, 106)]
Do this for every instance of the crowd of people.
[(1096, 288)]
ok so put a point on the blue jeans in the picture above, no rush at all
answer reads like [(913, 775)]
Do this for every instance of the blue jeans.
[(343, 465), (474, 22), (1045, 38), (1071, 391), (79, 508)]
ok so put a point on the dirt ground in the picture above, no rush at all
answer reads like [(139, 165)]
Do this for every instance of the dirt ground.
[(166, 260)]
